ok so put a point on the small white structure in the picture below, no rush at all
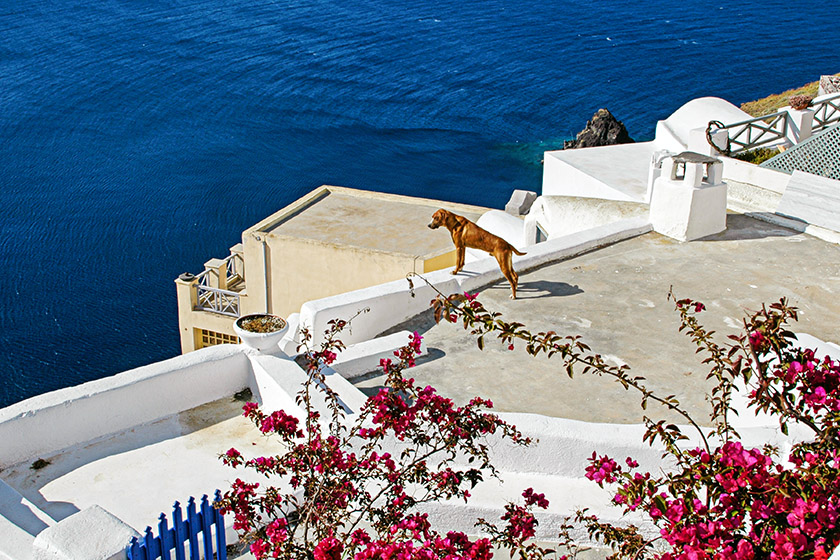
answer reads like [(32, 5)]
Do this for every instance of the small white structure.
[(655, 171), (92, 533), (520, 202), (800, 122), (689, 198), (553, 217)]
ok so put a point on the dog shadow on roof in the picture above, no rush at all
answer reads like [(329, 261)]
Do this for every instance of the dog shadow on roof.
[(542, 288)]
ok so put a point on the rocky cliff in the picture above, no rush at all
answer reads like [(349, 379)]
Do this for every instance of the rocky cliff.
[(603, 129)]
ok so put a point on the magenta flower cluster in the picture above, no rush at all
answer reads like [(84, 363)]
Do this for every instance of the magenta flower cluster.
[(730, 502)]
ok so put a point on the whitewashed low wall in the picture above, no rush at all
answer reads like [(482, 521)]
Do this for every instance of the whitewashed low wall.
[(60, 419), (279, 381), (564, 446), (364, 357), (574, 244), (391, 304), (751, 174), (556, 465), (20, 522)]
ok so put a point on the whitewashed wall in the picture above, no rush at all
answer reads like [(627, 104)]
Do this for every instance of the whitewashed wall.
[(63, 418)]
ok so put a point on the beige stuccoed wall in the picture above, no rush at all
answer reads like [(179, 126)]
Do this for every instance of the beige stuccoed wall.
[(300, 270), (255, 275), (441, 261), (304, 270)]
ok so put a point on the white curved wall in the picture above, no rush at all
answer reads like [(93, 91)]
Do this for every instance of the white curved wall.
[(60, 419), (565, 215)]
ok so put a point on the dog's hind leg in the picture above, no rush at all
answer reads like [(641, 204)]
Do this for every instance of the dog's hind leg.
[(512, 271), (506, 264)]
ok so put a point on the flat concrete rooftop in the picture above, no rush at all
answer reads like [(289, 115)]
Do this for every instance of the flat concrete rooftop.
[(368, 220), (615, 298)]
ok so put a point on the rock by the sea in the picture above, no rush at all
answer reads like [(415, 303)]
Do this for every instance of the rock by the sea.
[(603, 129)]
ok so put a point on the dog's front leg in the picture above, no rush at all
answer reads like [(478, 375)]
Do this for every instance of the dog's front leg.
[(459, 264)]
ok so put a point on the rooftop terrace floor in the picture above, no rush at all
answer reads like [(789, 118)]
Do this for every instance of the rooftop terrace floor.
[(616, 298), (137, 474)]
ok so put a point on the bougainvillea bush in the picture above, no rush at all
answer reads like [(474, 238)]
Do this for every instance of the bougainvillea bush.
[(353, 486)]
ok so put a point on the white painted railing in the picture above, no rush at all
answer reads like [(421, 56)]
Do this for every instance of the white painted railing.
[(826, 112), (220, 300)]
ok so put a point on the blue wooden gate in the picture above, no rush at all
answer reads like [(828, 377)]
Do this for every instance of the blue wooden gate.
[(170, 541)]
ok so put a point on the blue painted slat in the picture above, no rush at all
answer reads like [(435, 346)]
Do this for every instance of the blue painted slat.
[(219, 522), (133, 550), (207, 526), (149, 544), (166, 542), (193, 526), (180, 532)]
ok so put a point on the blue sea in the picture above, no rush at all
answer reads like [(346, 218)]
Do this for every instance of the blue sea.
[(138, 138)]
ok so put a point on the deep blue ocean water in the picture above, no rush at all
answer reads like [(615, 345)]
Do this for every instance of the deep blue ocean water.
[(138, 138)]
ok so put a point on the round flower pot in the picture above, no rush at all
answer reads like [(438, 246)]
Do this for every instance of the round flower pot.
[(800, 102), (261, 331)]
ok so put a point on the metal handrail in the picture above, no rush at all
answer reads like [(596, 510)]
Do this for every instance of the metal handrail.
[(826, 112), (759, 131), (217, 300)]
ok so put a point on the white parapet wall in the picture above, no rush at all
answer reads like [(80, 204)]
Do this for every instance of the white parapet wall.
[(555, 464), (63, 418), (755, 175), (387, 305), (364, 357)]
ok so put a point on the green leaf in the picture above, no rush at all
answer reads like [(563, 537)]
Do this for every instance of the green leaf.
[(659, 502)]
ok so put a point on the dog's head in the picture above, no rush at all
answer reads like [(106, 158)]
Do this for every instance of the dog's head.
[(438, 219)]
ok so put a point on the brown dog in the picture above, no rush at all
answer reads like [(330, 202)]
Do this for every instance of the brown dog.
[(467, 234)]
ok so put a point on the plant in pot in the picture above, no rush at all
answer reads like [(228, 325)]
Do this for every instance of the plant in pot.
[(800, 102), (261, 331)]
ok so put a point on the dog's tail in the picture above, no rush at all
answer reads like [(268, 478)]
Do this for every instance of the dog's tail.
[(517, 252)]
